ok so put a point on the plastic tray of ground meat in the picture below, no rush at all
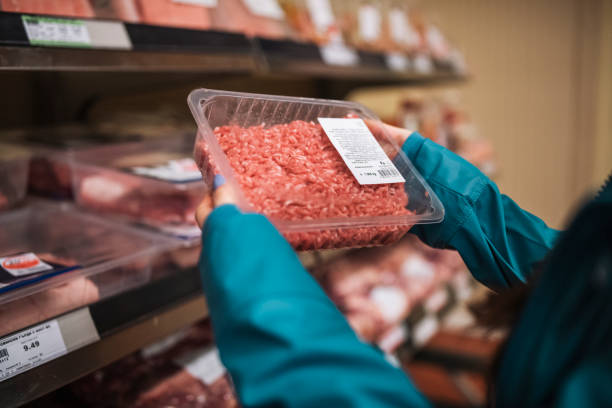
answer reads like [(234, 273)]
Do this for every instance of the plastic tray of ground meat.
[(281, 163), (55, 258), (154, 183)]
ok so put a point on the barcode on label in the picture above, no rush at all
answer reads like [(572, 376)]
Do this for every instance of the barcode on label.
[(388, 173), (3, 352)]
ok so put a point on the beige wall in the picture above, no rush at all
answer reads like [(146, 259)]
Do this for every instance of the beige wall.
[(535, 65)]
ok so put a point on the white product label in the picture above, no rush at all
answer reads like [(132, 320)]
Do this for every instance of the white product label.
[(163, 345), (56, 31), (321, 14), (24, 264), (402, 31), (203, 364), (423, 64), (176, 171), (436, 40), (203, 3), (397, 62), (360, 151), (424, 330), (436, 301), (370, 22), (265, 8), (30, 348), (337, 53)]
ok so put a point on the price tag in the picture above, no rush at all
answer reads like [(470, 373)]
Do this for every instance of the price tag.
[(397, 62), (174, 171), (58, 32), (422, 64), (24, 264), (203, 364), (321, 14), (30, 348), (203, 3), (265, 8), (370, 22), (360, 151), (336, 53)]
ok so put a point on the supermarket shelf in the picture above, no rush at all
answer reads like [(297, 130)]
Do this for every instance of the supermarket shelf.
[(125, 324), (115, 46)]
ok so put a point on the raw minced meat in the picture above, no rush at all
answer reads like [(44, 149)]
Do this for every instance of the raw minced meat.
[(292, 172)]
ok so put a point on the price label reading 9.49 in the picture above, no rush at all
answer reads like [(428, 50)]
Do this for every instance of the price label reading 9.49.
[(30, 348)]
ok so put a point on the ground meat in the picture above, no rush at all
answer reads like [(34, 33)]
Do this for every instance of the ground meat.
[(292, 172)]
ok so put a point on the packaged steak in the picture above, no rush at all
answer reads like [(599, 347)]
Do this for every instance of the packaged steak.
[(14, 164), (312, 20), (261, 18), (326, 173), (154, 183), (177, 13), (55, 258), (377, 288), (68, 8), (182, 370)]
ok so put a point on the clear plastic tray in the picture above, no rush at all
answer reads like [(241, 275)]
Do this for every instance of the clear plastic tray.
[(214, 109), (14, 163), (89, 259), (154, 183)]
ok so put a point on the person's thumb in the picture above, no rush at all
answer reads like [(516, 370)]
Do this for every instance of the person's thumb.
[(223, 193)]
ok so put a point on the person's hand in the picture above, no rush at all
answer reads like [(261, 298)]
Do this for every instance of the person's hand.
[(398, 135), (221, 194)]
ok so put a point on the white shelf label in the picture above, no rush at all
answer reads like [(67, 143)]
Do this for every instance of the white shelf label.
[(336, 53), (30, 348), (360, 151), (57, 32), (203, 364), (265, 8), (423, 64), (203, 3), (397, 62)]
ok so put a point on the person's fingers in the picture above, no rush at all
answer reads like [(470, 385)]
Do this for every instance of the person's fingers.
[(222, 194), (203, 210), (399, 135)]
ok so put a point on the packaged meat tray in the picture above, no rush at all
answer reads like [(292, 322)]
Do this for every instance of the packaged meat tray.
[(324, 172), (263, 18), (312, 20), (55, 258), (14, 162), (68, 8), (177, 13), (155, 183), (182, 370), (124, 10)]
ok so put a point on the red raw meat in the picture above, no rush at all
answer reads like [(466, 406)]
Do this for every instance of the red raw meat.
[(292, 172), (124, 10), (124, 195), (69, 8), (173, 13)]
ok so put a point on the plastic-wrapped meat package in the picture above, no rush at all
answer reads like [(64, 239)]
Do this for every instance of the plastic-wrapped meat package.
[(176, 13), (313, 20), (293, 172), (47, 304), (155, 377), (364, 25), (252, 18), (124, 10), (155, 183), (50, 175), (376, 288), (68, 8)]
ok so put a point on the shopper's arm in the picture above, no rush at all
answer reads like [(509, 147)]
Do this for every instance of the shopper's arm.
[(283, 341), (499, 242)]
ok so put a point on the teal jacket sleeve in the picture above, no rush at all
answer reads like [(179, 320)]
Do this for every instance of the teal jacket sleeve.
[(499, 242), (283, 341)]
